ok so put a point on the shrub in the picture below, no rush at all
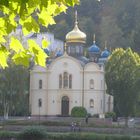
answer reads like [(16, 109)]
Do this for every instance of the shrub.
[(110, 115), (96, 115), (89, 115), (33, 133), (6, 135), (89, 136), (78, 112)]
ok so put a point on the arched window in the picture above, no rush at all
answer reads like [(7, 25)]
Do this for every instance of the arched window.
[(39, 102), (91, 103), (60, 81), (65, 80), (70, 81), (40, 84), (91, 84)]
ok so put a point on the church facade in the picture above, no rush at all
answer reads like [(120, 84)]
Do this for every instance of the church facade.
[(70, 79)]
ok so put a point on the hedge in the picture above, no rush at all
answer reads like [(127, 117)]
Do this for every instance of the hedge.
[(33, 133), (7, 134), (39, 134), (78, 111), (82, 136)]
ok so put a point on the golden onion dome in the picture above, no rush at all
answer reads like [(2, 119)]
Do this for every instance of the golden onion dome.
[(76, 36)]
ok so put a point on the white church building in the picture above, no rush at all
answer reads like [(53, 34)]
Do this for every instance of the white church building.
[(70, 79)]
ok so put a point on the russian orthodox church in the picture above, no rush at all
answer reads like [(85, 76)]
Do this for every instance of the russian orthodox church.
[(70, 79)]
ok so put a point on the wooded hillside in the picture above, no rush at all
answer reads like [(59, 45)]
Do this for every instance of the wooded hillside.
[(114, 21)]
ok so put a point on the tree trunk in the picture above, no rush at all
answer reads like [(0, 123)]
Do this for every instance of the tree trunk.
[(126, 121), (6, 111)]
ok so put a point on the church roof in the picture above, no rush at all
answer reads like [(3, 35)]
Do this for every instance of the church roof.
[(105, 53), (83, 60), (76, 35), (59, 53), (94, 49)]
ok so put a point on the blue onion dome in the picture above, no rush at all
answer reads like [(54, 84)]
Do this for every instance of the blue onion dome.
[(47, 51), (105, 53), (59, 53), (94, 49)]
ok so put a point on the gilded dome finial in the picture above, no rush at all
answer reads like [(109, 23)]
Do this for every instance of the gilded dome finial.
[(76, 35), (94, 38), (76, 19)]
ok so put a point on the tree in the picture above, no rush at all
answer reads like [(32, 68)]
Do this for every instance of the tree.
[(123, 79), (114, 21), (111, 33), (14, 83), (29, 14)]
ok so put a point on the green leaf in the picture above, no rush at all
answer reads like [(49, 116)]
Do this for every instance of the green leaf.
[(38, 53), (13, 5), (16, 45), (34, 3), (5, 10), (72, 2), (2, 39), (4, 2), (16, 13), (61, 8), (29, 25), (45, 43), (45, 18), (3, 57), (22, 58), (12, 19), (2, 22), (51, 7)]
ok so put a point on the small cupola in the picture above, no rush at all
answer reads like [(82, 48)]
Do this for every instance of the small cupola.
[(106, 52), (94, 51)]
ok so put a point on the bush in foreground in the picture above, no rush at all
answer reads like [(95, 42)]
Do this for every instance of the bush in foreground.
[(89, 136), (7, 135), (33, 133), (78, 111), (39, 134)]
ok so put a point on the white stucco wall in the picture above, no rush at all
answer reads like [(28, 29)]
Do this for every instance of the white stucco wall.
[(51, 95), (38, 73), (59, 66)]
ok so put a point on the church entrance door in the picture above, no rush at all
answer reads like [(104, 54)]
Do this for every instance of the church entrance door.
[(65, 106)]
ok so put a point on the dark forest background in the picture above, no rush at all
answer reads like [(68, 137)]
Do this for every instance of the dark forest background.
[(114, 21)]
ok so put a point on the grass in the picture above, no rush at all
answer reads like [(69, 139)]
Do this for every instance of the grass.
[(99, 124), (72, 136)]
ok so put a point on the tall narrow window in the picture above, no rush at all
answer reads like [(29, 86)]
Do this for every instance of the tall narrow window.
[(40, 84), (77, 49), (91, 103), (60, 81), (91, 84), (65, 80), (101, 104), (39, 102), (70, 81)]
